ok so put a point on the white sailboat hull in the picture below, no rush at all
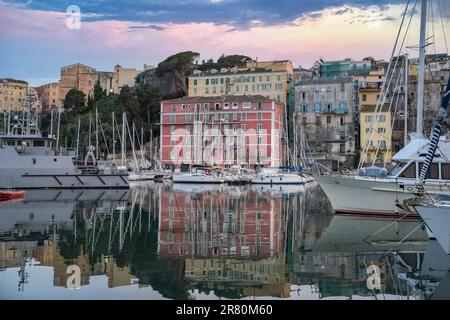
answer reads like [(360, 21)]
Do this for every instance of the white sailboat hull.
[(196, 178), (278, 179), (437, 219), (363, 196)]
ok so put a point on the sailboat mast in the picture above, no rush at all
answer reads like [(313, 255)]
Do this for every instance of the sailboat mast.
[(113, 139), (78, 137), (123, 138), (421, 78), (57, 130), (96, 133), (406, 99)]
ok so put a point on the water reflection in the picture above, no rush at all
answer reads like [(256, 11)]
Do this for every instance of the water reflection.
[(203, 242)]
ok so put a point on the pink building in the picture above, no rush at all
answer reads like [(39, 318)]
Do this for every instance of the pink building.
[(222, 131)]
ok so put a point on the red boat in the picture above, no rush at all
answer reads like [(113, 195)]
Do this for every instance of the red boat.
[(6, 195)]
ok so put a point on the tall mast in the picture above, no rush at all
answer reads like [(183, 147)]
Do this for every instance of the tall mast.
[(78, 137), (96, 133), (51, 128), (406, 99), (421, 79), (57, 130), (113, 140), (123, 138)]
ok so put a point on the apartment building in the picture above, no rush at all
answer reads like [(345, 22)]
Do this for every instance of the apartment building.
[(222, 131), (270, 79), (13, 94)]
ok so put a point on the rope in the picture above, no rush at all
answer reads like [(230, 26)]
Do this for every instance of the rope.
[(386, 83), (443, 28)]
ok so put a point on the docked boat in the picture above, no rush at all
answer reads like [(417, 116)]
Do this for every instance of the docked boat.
[(141, 176), (377, 191), (200, 174), (436, 215), (28, 161), (273, 176)]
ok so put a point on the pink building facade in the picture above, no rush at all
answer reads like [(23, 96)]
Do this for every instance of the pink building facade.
[(246, 131)]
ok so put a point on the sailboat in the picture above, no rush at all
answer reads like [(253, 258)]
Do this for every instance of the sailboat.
[(376, 191), (285, 175)]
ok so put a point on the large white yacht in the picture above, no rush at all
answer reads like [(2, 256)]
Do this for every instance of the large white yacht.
[(377, 191), (28, 161)]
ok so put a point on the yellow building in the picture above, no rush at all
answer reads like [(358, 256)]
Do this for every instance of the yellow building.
[(81, 77), (379, 137), (124, 77), (49, 95), (376, 136), (12, 94), (267, 274), (267, 78)]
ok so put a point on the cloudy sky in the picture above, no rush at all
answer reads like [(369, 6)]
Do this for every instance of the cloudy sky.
[(36, 40)]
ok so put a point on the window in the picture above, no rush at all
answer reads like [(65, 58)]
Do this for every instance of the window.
[(367, 130), (368, 119), (342, 121), (381, 130), (318, 121), (382, 118), (382, 144), (260, 116), (172, 118), (217, 106), (364, 97), (195, 82), (304, 108), (247, 104), (328, 119), (410, 171), (445, 171), (278, 77), (234, 105), (433, 172), (259, 128), (226, 105)]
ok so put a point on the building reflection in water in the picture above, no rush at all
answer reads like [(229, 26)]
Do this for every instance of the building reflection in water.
[(216, 241)]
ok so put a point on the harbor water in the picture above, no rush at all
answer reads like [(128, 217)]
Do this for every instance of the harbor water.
[(180, 241)]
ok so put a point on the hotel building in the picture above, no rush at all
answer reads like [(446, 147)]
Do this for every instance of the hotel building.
[(222, 131)]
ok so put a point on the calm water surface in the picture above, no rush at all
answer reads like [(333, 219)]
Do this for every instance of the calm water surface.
[(160, 241)]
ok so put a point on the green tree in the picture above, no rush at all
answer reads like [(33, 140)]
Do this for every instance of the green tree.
[(99, 93), (129, 103), (149, 98), (180, 65), (234, 60), (74, 101)]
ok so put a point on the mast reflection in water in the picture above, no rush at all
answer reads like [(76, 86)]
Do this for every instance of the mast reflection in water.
[(161, 241)]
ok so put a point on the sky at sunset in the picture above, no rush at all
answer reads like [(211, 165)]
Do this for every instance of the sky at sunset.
[(36, 41)]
